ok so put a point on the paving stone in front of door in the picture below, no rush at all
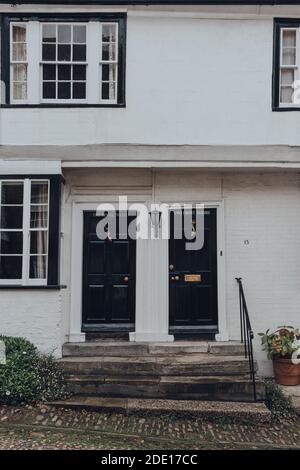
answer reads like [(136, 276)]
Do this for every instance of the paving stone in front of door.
[(149, 432)]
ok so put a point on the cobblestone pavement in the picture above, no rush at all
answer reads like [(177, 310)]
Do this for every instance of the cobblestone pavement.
[(43, 427)]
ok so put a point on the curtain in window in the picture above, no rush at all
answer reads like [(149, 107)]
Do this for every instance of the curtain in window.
[(19, 60), (39, 230)]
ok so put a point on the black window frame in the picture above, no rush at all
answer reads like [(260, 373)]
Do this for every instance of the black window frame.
[(120, 18), (280, 23), (53, 272)]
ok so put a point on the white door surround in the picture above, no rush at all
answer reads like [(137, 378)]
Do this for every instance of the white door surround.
[(152, 290)]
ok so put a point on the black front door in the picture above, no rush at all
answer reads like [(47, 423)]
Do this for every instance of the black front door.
[(193, 281), (108, 278)]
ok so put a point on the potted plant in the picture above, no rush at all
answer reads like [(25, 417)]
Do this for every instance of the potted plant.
[(281, 347)]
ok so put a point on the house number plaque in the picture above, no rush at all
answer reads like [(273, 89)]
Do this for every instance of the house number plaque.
[(192, 277)]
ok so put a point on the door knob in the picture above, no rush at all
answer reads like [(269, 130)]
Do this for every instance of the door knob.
[(126, 278), (171, 267), (177, 278)]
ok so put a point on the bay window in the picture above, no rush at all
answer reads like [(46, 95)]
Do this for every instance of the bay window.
[(76, 61), (28, 248)]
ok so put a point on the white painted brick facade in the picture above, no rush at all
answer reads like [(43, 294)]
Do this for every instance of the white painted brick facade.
[(203, 81), (35, 315), (200, 81), (262, 245), (263, 209)]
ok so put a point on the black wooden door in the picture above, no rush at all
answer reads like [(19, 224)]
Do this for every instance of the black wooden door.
[(193, 281), (108, 279)]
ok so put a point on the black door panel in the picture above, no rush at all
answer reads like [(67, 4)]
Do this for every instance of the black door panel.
[(193, 280), (108, 278)]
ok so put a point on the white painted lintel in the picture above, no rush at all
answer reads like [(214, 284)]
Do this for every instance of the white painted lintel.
[(183, 164)]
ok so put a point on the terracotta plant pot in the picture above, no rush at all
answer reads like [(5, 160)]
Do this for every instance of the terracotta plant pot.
[(286, 373)]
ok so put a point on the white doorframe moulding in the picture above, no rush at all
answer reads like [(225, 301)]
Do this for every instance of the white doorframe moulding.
[(221, 265), (152, 290)]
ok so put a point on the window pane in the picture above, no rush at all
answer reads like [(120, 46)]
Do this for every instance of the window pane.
[(10, 267), (49, 72), (109, 52), (289, 38), (19, 52), (286, 95), (287, 76), (108, 33), (20, 72), (79, 34), (38, 267), (288, 56), (38, 242), (38, 216), (11, 243), (109, 73), (19, 33), (108, 91), (49, 52), (19, 91), (64, 33), (11, 193), (49, 90), (64, 72), (39, 193), (64, 52), (79, 53), (79, 90), (49, 33), (79, 72), (64, 90), (11, 217)]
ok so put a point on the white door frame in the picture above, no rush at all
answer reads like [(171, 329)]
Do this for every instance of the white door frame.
[(221, 265), (78, 208), (157, 328)]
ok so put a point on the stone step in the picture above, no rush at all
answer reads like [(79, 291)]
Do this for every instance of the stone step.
[(210, 410), (125, 348), (187, 365), (172, 387)]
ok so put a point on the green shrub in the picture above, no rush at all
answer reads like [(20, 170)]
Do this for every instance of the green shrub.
[(279, 405), (28, 375)]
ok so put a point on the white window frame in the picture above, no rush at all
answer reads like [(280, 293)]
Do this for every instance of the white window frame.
[(25, 280), (14, 62), (296, 67), (108, 62), (41, 62), (93, 64)]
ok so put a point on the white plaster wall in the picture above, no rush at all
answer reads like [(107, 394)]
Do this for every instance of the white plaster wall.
[(35, 315), (188, 81)]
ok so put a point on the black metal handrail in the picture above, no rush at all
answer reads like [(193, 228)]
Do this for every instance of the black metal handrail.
[(246, 333)]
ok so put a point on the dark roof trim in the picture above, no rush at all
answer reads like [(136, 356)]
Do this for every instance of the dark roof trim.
[(151, 2)]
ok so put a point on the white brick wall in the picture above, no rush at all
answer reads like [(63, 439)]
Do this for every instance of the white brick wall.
[(261, 209), (35, 315), (265, 211)]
